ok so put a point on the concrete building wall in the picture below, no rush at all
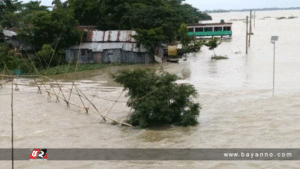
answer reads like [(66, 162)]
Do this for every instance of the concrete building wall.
[(68, 55), (112, 55), (82, 55), (134, 57), (147, 58), (118, 55), (98, 57), (131, 57)]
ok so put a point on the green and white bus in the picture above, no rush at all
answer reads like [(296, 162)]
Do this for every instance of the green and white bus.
[(202, 30)]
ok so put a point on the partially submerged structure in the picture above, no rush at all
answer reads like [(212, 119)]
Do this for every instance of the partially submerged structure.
[(107, 47), (209, 29)]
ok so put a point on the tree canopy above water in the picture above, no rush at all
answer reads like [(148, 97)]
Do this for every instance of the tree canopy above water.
[(157, 99)]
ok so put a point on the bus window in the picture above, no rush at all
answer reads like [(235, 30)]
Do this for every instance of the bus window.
[(227, 28), (199, 29), (208, 29), (218, 29), (191, 29)]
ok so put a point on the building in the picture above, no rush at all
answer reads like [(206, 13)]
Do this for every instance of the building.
[(107, 47), (10, 36), (210, 29)]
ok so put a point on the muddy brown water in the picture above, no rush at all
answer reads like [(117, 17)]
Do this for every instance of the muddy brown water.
[(238, 110)]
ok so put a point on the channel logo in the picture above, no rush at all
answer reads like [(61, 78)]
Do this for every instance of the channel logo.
[(38, 154)]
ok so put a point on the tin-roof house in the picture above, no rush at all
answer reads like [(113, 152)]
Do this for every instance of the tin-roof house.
[(10, 36), (108, 46)]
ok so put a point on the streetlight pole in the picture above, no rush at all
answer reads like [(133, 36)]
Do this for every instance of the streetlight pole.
[(274, 69), (250, 31), (273, 40)]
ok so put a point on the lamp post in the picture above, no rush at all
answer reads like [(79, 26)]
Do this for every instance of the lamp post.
[(273, 40)]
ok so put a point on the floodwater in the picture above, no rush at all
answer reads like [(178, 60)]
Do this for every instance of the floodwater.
[(238, 109)]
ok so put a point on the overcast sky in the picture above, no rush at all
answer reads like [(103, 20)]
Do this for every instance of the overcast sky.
[(225, 4)]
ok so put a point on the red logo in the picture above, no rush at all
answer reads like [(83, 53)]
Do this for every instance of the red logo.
[(38, 154)]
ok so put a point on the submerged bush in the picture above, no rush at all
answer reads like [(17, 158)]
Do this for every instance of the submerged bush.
[(157, 100), (219, 57), (281, 18)]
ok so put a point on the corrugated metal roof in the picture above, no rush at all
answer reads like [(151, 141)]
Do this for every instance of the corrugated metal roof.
[(122, 36), (133, 33), (9, 33), (106, 36), (113, 36), (99, 47), (97, 36)]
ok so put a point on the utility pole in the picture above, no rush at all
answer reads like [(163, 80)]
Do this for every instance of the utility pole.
[(250, 32), (254, 19), (274, 70), (247, 35), (273, 40)]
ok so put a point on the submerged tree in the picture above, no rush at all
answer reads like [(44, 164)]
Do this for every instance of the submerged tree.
[(212, 44), (183, 34), (157, 99), (149, 39), (189, 43)]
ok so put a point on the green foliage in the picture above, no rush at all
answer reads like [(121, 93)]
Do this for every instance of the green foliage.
[(212, 44), (157, 99), (196, 46), (37, 25), (186, 40), (156, 21), (149, 38), (46, 57), (43, 57), (2, 38), (184, 37), (11, 59), (55, 28), (137, 14), (7, 9), (32, 6), (147, 16), (8, 6), (10, 19), (18, 15), (86, 12)]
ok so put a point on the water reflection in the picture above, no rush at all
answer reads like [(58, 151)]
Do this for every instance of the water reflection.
[(212, 64)]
